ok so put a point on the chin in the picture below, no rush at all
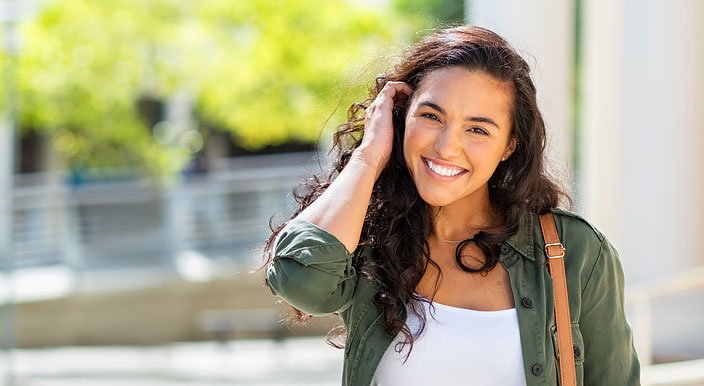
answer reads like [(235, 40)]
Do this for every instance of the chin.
[(436, 200)]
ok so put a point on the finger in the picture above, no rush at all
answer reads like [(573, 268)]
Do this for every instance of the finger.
[(393, 93), (395, 87)]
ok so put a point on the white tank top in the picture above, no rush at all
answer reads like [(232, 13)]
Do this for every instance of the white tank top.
[(459, 346)]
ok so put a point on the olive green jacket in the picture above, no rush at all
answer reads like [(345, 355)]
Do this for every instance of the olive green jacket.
[(312, 271)]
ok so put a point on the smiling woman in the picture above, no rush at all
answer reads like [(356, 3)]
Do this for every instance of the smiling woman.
[(433, 200), (453, 142)]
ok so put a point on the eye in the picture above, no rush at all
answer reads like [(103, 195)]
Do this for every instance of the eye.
[(430, 116), (478, 130)]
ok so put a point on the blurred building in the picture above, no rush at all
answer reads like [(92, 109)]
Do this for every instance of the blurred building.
[(86, 234), (621, 86)]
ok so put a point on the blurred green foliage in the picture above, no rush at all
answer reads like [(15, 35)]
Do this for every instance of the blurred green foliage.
[(434, 12), (266, 71)]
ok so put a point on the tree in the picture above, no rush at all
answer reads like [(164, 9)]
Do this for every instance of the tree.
[(265, 71)]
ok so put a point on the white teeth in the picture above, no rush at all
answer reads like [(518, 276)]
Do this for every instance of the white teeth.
[(443, 170)]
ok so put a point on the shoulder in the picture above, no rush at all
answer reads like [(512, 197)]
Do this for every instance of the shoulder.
[(575, 225), (585, 245)]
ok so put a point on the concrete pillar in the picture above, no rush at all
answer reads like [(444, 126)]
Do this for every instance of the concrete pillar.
[(8, 158), (662, 153), (543, 32), (600, 176), (643, 168)]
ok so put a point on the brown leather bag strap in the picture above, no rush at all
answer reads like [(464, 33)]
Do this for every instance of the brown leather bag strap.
[(555, 252)]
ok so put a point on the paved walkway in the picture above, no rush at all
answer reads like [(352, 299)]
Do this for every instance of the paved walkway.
[(292, 362)]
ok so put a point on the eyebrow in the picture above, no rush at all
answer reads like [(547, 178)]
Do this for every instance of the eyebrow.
[(471, 119)]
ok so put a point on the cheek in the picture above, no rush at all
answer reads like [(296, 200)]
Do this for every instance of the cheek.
[(415, 142), (410, 142), (415, 139)]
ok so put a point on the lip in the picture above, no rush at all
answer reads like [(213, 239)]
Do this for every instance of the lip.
[(441, 163), (439, 177)]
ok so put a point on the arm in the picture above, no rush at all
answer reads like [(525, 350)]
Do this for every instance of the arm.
[(341, 209), (311, 269), (610, 357), (312, 264)]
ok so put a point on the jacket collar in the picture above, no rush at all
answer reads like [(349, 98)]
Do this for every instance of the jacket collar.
[(523, 240)]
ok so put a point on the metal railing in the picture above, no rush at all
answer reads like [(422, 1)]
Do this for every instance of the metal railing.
[(640, 297), (218, 218)]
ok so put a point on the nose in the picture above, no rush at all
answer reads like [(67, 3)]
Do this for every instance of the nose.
[(447, 145)]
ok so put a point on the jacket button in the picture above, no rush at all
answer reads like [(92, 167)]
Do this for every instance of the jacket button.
[(505, 248), (577, 352), (537, 369), (527, 303)]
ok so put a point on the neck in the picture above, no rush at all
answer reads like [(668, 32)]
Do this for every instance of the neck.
[(465, 218)]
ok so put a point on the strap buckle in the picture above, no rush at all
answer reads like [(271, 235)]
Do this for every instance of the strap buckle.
[(553, 245)]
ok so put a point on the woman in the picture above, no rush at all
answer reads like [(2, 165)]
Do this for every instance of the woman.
[(432, 210)]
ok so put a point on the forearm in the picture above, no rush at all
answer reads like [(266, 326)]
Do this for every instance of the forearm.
[(341, 208)]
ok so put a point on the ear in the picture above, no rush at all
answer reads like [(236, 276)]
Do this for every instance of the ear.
[(510, 148)]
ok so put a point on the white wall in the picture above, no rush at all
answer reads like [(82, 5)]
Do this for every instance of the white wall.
[(643, 175), (543, 33)]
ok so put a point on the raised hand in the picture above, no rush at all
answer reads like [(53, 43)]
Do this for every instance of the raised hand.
[(378, 139)]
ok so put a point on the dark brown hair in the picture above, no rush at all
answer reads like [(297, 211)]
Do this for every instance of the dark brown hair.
[(398, 221)]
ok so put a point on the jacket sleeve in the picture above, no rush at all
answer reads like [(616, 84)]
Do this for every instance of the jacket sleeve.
[(311, 269), (610, 357)]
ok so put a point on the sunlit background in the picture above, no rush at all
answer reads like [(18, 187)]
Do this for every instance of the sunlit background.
[(144, 146)]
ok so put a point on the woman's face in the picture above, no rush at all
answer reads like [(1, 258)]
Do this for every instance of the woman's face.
[(457, 131)]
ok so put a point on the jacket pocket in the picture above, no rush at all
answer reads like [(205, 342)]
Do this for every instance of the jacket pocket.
[(577, 352)]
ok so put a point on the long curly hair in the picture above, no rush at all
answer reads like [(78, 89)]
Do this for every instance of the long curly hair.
[(398, 221)]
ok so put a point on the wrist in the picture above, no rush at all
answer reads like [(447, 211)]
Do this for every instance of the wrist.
[(371, 161)]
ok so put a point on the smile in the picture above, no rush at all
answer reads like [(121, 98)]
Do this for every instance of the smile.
[(443, 171)]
